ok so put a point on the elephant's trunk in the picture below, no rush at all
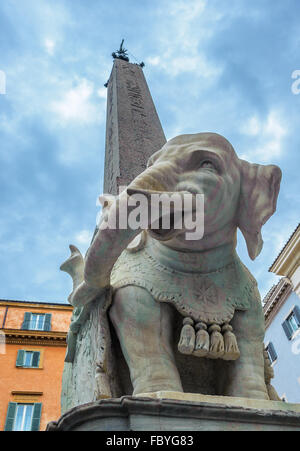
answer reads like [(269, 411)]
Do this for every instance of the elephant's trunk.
[(160, 177), (109, 242)]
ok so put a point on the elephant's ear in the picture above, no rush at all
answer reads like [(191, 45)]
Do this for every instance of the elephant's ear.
[(259, 192)]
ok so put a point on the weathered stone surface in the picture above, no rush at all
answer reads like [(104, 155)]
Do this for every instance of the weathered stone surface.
[(152, 286), (229, 401), (80, 373), (133, 129), (201, 279), (146, 414)]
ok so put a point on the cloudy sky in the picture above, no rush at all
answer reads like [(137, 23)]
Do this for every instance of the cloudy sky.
[(211, 65)]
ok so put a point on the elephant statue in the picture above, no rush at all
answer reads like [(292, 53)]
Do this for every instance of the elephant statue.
[(185, 313)]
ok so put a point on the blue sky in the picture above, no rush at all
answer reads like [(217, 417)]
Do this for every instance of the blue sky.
[(211, 65)]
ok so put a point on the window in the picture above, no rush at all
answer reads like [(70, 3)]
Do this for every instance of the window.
[(28, 359), (292, 323), (271, 352), (23, 417), (37, 321)]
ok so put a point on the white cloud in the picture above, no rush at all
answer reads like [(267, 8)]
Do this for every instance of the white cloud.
[(269, 136), (276, 239), (153, 60), (77, 104), (84, 237), (252, 127), (177, 65), (186, 26), (102, 93), (187, 10), (49, 45)]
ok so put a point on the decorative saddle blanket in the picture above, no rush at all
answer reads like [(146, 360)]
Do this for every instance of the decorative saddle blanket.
[(183, 279)]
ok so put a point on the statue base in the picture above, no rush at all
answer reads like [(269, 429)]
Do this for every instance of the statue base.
[(173, 411)]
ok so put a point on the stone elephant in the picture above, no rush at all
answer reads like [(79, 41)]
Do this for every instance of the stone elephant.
[(185, 313)]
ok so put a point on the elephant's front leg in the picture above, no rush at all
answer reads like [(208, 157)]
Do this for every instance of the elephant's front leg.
[(245, 376), (144, 329)]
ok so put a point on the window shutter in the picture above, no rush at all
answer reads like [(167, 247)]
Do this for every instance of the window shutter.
[(272, 352), (10, 417), (297, 314), (36, 417), (26, 321), (20, 358), (287, 329), (36, 359), (47, 325)]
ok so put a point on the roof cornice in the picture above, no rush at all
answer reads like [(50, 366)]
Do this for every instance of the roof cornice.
[(35, 305), (275, 299), (34, 337), (288, 259)]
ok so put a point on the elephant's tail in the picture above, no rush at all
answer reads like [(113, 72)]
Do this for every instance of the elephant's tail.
[(74, 266)]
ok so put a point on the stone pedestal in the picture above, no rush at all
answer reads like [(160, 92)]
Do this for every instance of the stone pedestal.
[(189, 412)]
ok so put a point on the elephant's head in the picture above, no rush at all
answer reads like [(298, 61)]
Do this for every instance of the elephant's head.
[(236, 193)]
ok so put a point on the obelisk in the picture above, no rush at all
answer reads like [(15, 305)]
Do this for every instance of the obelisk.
[(133, 134), (133, 128)]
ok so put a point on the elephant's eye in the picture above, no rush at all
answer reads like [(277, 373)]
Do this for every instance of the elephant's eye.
[(208, 165)]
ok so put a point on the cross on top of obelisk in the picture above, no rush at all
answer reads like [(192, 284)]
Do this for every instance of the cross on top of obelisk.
[(121, 53)]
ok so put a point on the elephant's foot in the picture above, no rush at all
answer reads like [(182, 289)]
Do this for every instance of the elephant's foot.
[(156, 375), (245, 378), (247, 388), (145, 332)]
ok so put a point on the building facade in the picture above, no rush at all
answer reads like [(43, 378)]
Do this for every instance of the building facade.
[(32, 351), (282, 316)]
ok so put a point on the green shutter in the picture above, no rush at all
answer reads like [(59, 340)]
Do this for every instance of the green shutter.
[(35, 359), (287, 329), (47, 325), (10, 417), (36, 417), (272, 352), (297, 314), (20, 358), (26, 321)]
